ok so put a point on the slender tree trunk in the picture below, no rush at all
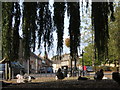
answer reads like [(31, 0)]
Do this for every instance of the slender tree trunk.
[(95, 60), (28, 66), (83, 66), (9, 70), (75, 67), (71, 67), (93, 56), (9, 73)]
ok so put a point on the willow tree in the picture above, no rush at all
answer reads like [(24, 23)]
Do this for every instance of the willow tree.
[(114, 41), (15, 36), (59, 12), (7, 13), (45, 30), (10, 32), (100, 13), (74, 30), (37, 23), (118, 32), (37, 26), (29, 27)]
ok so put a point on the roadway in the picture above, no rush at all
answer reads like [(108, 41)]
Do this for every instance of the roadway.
[(106, 74)]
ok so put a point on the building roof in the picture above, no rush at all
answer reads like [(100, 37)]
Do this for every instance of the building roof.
[(34, 55), (45, 58)]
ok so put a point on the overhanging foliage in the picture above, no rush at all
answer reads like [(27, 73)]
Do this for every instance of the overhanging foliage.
[(38, 27)]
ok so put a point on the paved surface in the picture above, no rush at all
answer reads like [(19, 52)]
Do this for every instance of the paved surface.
[(106, 74), (43, 75)]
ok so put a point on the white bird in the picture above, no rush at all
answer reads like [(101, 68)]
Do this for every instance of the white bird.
[(105, 77)]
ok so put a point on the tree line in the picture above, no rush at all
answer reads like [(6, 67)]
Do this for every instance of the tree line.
[(113, 44)]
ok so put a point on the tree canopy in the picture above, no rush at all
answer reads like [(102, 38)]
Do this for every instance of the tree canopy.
[(113, 43), (38, 25)]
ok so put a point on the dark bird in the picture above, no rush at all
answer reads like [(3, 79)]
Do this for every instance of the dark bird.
[(32, 77), (116, 77), (59, 74), (99, 75), (82, 78)]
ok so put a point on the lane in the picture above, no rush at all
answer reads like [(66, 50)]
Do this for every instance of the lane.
[(43, 75), (106, 74)]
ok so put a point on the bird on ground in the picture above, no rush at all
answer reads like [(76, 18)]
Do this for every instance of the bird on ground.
[(116, 77), (82, 78)]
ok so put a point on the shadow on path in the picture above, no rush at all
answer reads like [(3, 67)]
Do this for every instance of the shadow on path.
[(68, 84)]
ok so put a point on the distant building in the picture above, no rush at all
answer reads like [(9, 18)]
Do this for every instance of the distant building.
[(56, 64), (36, 61), (47, 64), (65, 61)]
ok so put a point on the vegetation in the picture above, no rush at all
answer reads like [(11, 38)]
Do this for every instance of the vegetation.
[(10, 32), (38, 25), (113, 44), (67, 42), (100, 13)]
